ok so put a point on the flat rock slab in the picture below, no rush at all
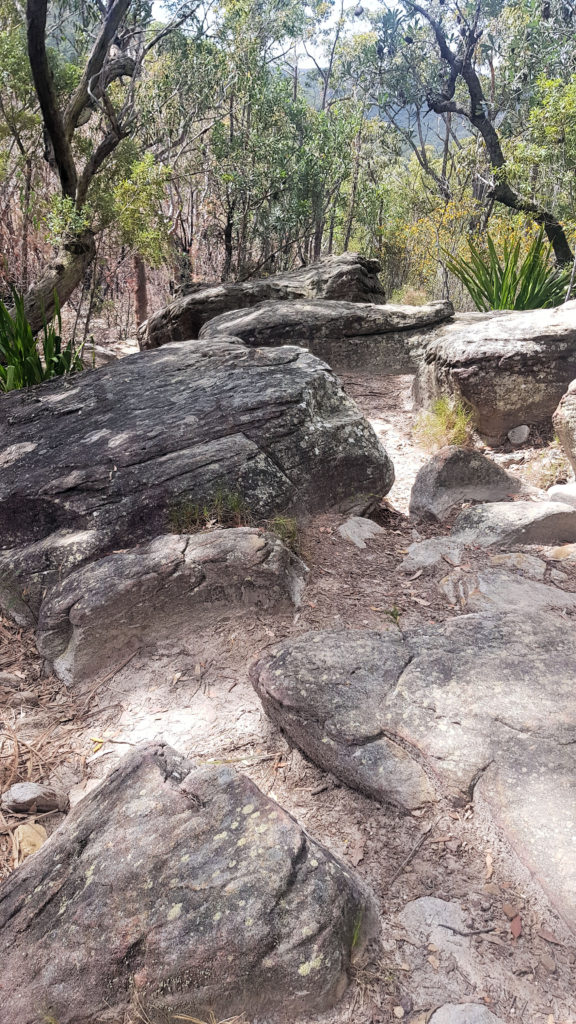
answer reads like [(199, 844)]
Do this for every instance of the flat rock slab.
[(481, 706), (491, 590), (511, 369), (347, 277), (427, 554), (177, 889), (357, 530), (348, 335), (108, 458), (108, 609), (564, 493), (455, 475), (516, 522)]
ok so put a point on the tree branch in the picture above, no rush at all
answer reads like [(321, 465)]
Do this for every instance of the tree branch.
[(95, 63)]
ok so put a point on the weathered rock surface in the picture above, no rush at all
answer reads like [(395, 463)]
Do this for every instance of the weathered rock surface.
[(177, 889), (454, 475), (483, 705), (106, 610), (347, 277), (103, 460), (327, 691), (565, 493), (24, 797), (427, 554), (564, 420), (348, 335), (511, 369), (357, 530), (491, 590), (516, 522)]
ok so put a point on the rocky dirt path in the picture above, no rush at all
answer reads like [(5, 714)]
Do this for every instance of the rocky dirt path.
[(460, 924)]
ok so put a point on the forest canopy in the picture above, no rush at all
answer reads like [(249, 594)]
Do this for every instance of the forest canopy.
[(144, 148)]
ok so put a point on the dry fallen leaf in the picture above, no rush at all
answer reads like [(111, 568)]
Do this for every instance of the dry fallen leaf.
[(549, 936), (28, 838), (489, 866), (516, 926), (510, 910), (398, 1012)]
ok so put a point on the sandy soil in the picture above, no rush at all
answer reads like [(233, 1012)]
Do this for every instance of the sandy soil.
[(196, 695)]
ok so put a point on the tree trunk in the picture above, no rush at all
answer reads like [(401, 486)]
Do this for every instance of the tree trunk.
[(141, 290), (61, 276), (26, 225)]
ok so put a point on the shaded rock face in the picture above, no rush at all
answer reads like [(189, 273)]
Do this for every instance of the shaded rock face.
[(177, 889), (517, 522), (511, 369), (454, 475), (103, 612), (564, 420), (102, 460), (348, 277), (482, 706), (348, 335)]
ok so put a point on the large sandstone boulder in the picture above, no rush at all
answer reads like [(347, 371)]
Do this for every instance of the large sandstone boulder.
[(516, 522), (349, 277), (177, 889), (455, 475), (103, 460), (510, 369), (107, 609), (564, 420), (347, 335), (482, 705)]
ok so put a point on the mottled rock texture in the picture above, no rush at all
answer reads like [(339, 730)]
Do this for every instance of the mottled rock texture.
[(516, 522), (177, 889), (455, 475), (348, 335), (565, 423), (106, 459), (101, 613), (479, 708), (348, 277), (511, 369)]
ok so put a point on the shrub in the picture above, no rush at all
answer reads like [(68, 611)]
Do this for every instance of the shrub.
[(224, 508), (515, 281), (286, 529), (23, 361), (447, 422)]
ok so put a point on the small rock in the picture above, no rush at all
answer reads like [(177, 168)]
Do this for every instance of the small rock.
[(28, 838), (562, 553), (33, 796), (358, 530), (426, 554), (498, 590), (464, 1013), (10, 679), (519, 435), (528, 565), (557, 576)]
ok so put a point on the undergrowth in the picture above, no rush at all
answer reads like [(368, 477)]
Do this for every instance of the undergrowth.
[(228, 508), (23, 361), (447, 422), (548, 467)]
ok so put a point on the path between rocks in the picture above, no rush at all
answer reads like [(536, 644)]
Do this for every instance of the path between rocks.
[(451, 898)]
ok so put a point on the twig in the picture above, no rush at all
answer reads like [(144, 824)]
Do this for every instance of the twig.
[(95, 688), (413, 852), (476, 931)]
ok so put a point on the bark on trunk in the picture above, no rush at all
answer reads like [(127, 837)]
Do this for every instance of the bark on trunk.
[(61, 276), (141, 290)]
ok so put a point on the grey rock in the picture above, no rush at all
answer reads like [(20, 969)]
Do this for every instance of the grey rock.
[(358, 530), (482, 705), (511, 369), (528, 565), (347, 277), (519, 435), (464, 1013), (564, 421), (319, 688), (490, 590), (455, 475), (103, 612), (565, 493), (105, 459), (517, 522), (23, 797), (347, 335), (178, 889), (427, 554)]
